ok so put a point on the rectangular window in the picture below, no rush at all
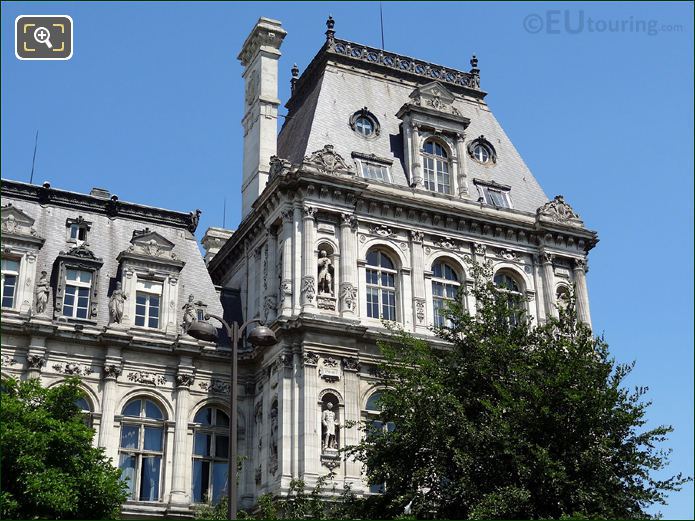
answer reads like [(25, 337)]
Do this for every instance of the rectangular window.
[(147, 303), (10, 274), (78, 285), (496, 197), (375, 171), (430, 177), (78, 233)]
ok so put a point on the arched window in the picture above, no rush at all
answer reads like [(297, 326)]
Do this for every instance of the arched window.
[(86, 410), (508, 284), (142, 448), (436, 167), (210, 455), (376, 427), (445, 286), (381, 286)]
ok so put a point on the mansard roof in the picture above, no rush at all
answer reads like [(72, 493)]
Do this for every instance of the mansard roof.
[(344, 78)]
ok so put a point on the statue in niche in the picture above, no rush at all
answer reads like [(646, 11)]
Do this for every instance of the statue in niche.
[(328, 420), (325, 274), (42, 291), (116, 304), (189, 314)]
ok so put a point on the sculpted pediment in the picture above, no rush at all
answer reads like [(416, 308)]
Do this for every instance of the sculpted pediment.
[(558, 211), (151, 243), (16, 221), (436, 96)]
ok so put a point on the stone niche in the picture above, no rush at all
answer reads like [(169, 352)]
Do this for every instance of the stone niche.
[(326, 277)]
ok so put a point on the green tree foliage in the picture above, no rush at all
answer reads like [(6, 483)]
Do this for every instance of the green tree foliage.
[(511, 421), (49, 467)]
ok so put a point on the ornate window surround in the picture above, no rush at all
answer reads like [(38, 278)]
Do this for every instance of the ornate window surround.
[(81, 223), (365, 113), (480, 140), (83, 259), (150, 257), (20, 242)]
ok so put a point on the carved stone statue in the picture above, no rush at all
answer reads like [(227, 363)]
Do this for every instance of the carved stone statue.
[(325, 274), (273, 432), (116, 304), (43, 288), (329, 426), (189, 314)]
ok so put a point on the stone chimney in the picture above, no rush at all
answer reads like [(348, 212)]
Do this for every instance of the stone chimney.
[(259, 57), (213, 240)]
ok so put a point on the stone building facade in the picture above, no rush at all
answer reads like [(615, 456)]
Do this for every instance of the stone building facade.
[(103, 289), (388, 178)]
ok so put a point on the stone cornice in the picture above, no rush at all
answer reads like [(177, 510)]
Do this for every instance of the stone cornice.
[(113, 207)]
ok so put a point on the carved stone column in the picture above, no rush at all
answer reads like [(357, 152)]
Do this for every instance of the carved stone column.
[(347, 291), (352, 412), (311, 442), (270, 278), (36, 357), (548, 283), (297, 230), (108, 439), (309, 260), (415, 160), (417, 259), (252, 258), (184, 380), (286, 289), (462, 166), (581, 291)]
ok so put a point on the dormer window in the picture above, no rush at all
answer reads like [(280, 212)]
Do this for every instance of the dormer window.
[(78, 285), (10, 274), (147, 303), (364, 123), (373, 167), (482, 151), (436, 167), (77, 230), (494, 194)]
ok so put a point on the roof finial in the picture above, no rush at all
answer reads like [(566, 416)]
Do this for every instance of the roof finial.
[(475, 73), (330, 33), (295, 77)]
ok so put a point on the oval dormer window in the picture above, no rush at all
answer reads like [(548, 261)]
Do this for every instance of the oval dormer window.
[(364, 123), (482, 151)]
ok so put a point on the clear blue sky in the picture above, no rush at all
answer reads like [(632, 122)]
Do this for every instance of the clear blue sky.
[(150, 108)]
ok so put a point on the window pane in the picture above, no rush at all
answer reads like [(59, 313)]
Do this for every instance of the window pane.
[(83, 405), (130, 436), (71, 275), (219, 481), (372, 257), (10, 265), (204, 416), (221, 446), (127, 464), (153, 322), (132, 408), (222, 419), (202, 444), (153, 439), (373, 402), (201, 476), (152, 411), (149, 478), (386, 262)]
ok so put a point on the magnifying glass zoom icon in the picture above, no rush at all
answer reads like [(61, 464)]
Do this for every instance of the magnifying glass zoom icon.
[(43, 35)]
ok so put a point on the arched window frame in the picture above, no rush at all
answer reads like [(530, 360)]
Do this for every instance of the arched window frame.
[(210, 454), (518, 291), (381, 284), (437, 168), (444, 289), (134, 455), (374, 425)]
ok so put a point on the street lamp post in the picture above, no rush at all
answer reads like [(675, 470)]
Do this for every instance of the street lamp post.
[(261, 336)]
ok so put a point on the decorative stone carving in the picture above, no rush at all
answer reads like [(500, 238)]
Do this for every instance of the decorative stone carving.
[(420, 309), (308, 288), (43, 288), (116, 304), (16, 222), (142, 377), (310, 358), (325, 274), (506, 253), (580, 264), (189, 314), (257, 474), (351, 364), (330, 370), (184, 380), (35, 361), (434, 95), (7, 360), (327, 161), (348, 296), (269, 305), (273, 464), (417, 236), (278, 166), (559, 211), (479, 249), (216, 386), (112, 371), (325, 302), (329, 439), (285, 290), (447, 244), (72, 368), (193, 219), (382, 231), (309, 212), (349, 220)]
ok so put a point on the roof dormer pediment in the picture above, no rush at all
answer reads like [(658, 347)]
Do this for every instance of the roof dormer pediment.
[(434, 95), (151, 243), (15, 220)]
